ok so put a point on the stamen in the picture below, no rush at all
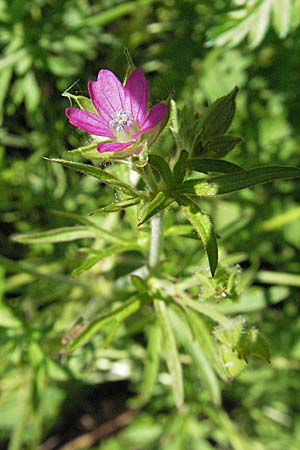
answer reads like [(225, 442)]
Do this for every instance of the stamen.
[(120, 120)]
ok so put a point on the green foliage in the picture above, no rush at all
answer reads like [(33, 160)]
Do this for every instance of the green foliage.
[(80, 308)]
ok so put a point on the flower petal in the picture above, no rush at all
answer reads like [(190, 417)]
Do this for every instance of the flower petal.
[(113, 146), (89, 122), (137, 95), (107, 94), (156, 115)]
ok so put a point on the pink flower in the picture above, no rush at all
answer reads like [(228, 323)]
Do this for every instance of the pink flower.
[(122, 113)]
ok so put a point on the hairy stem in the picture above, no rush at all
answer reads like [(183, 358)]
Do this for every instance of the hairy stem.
[(157, 227)]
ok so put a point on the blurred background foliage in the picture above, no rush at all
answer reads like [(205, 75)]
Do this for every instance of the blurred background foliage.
[(198, 51)]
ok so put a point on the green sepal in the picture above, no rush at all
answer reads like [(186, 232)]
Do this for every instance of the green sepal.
[(232, 364), (85, 103), (253, 343), (203, 226), (243, 338), (230, 334), (219, 116), (185, 126)]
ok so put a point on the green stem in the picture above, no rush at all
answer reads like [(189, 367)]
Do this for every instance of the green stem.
[(157, 227)]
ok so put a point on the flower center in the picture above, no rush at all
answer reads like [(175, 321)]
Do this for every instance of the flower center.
[(120, 120)]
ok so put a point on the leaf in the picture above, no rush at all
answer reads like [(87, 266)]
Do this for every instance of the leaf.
[(151, 370), (282, 17), (170, 352), (119, 315), (260, 23), (180, 167), (112, 14), (203, 227), (224, 184), (5, 78), (162, 167), (32, 91), (159, 202), (101, 254), (11, 58), (139, 284), (64, 234), (220, 146), (212, 165), (96, 172), (91, 261), (109, 236), (219, 116), (203, 334), (116, 206), (197, 351)]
